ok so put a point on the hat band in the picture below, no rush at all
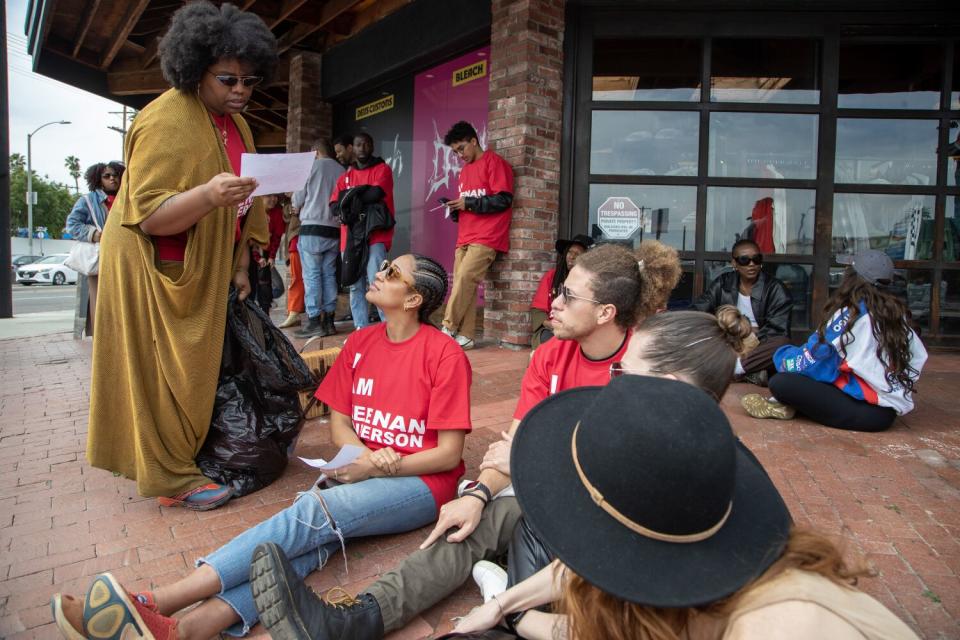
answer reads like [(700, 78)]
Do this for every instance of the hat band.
[(630, 524)]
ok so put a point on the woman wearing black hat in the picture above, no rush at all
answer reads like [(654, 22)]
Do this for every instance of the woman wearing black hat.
[(858, 369), (567, 253), (698, 545)]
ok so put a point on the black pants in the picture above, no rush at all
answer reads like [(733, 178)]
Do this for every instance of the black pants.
[(828, 405), (527, 554), (762, 355)]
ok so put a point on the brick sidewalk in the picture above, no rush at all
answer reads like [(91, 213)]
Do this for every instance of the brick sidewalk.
[(893, 496)]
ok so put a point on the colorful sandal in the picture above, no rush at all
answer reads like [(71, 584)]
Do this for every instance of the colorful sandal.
[(66, 629), (202, 498)]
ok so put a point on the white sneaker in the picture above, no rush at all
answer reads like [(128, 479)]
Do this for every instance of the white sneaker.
[(465, 342), (447, 332), (491, 578)]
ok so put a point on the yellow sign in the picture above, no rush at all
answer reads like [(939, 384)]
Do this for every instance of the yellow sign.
[(470, 73), (373, 108)]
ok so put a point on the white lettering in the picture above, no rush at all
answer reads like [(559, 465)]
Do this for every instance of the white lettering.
[(473, 193), (376, 435), (363, 387), (380, 419), (402, 439), (397, 424), (418, 426), (554, 382), (388, 438)]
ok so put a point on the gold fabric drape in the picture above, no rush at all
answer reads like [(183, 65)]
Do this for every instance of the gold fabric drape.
[(158, 340)]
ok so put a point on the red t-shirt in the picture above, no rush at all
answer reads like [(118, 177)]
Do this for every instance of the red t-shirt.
[(485, 177), (379, 175), (542, 298), (175, 247), (558, 365), (109, 201), (400, 394)]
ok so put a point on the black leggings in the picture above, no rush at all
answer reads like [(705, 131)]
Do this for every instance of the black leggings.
[(828, 405)]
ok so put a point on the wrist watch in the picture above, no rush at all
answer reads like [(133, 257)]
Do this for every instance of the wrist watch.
[(475, 486)]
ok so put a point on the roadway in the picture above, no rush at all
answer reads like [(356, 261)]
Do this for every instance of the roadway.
[(40, 298)]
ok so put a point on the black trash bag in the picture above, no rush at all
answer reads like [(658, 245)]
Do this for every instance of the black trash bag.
[(256, 414), (276, 283)]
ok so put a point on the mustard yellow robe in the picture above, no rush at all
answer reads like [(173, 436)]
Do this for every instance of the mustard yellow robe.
[(156, 355)]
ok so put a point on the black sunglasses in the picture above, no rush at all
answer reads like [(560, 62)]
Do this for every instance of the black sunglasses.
[(231, 81), (107, 176), (743, 261)]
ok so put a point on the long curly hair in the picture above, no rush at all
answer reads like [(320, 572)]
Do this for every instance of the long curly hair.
[(660, 274), (888, 321), (200, 34), (596, 615)]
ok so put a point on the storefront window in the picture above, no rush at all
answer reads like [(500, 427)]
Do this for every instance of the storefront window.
[(902, 226), (763, 145), (682, 294), (796, 278), (644, 143), (765, 70), (647, 69), (890, 75), (953, 154), (950, 302), (886, 151), (633, 213), (951, 230), (778, 220)]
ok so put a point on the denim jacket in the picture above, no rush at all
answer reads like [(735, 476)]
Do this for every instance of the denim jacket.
[(80, 222)]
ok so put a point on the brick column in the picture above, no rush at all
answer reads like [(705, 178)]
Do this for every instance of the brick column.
[(524, 126), (308, 117)]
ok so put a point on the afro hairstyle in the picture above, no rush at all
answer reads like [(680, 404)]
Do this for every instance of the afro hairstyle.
[(200, 34), (94, 173)]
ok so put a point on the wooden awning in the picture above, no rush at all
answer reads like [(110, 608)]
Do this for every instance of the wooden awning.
[(109, 47)]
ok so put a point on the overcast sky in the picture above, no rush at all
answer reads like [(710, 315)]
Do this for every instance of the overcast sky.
[(36, 99)]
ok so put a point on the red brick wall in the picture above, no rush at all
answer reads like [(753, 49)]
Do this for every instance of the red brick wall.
[(526, 94), (308, 117)]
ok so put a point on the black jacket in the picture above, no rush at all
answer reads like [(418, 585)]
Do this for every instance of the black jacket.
[(770, 300), (362, 210)]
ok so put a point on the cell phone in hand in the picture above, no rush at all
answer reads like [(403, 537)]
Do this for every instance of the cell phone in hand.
[(443, 200)]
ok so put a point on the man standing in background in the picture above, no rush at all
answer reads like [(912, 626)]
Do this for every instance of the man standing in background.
[(319, 242), (483, 212)]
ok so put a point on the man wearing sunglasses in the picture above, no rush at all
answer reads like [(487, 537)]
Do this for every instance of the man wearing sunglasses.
[(761, 298)]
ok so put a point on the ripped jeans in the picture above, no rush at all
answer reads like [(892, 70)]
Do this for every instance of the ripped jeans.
[(373, 507)]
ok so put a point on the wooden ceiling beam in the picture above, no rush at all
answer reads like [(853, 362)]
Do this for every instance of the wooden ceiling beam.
[(134, 10), (331, 9), (288, 7), (367, 17), (272, 138), (84, 26), (261, 117)]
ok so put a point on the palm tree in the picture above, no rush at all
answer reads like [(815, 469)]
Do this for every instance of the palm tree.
[(73, 166)]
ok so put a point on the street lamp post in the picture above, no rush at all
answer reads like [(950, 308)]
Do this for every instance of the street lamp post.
[(30, 182)]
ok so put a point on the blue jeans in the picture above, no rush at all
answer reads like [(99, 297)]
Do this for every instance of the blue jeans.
[(358, 291), (373, 507), (318, 258)]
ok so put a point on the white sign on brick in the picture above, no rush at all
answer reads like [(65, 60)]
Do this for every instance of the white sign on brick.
[(619, 218)]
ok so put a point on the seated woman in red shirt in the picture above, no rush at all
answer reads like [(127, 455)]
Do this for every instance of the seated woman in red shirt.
[(567, 253), (400, 391)]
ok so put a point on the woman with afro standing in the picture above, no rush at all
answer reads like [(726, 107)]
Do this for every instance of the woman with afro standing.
[(177, 239)]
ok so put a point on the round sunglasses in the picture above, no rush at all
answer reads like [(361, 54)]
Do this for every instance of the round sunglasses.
[(743, 261)]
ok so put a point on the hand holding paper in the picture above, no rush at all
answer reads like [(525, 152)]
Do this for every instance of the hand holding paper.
[(277, 172), (345, 456)]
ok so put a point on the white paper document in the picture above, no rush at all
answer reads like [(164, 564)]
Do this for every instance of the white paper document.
[(277, 172), (345, 456)]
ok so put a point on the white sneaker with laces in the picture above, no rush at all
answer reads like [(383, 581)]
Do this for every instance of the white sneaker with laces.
[(448, 332), (465, 342), (491, 578)]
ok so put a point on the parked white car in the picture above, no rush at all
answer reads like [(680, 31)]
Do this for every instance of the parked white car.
[(48, 270)]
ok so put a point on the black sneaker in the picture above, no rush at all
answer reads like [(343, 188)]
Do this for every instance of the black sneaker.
[(314, 327), (329, 329), (758, 378), (291, 611)]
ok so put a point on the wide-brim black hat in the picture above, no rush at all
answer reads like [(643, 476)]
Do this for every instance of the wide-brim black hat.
[(662, 455), (584, 241)]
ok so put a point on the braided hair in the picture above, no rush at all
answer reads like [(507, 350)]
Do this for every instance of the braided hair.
[(430, 281)]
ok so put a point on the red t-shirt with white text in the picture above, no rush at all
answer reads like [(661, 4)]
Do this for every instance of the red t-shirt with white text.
[(400, 394), (487, 176), (379, 175), (542, 298), (558, 365)]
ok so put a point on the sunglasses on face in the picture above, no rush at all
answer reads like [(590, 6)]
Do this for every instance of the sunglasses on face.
[(565, 296), (231, 81), (392, 272), (110, 176), (743, 261)]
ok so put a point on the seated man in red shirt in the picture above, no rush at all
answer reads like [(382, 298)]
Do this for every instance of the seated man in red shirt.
[(593, 313), (483, 212)]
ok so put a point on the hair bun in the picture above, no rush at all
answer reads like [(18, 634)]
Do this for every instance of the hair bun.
[(735, 326)]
